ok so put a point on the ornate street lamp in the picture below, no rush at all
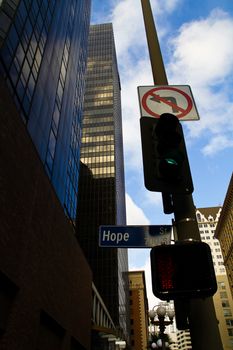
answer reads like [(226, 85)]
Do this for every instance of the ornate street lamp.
[(161, 317)]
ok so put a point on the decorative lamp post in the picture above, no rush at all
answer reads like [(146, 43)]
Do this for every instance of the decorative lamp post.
[(161, 317)]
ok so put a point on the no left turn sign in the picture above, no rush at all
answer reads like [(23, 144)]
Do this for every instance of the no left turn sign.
[(175, 99)]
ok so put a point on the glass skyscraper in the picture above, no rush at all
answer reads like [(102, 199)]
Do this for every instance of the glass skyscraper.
[(43, 48), (101, 197), (46, 292)]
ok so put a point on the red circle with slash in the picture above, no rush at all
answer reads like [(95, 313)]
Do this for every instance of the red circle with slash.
[(153, 93)]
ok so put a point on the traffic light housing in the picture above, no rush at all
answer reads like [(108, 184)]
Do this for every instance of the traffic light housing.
[(165, 160), (182, 270)]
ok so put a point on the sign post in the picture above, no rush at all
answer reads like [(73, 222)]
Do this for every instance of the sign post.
[(134, 236)]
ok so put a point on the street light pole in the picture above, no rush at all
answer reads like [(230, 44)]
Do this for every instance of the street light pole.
[(161, 312), (202, 318)]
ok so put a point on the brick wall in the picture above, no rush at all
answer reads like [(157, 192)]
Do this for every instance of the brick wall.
[(38, 249)]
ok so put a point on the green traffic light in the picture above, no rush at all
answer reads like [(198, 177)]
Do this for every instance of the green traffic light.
[(170, 165), (165, 160), (171, 161)]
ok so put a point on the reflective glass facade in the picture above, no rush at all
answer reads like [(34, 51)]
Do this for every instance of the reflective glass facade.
[(101, 198), (43, 59)]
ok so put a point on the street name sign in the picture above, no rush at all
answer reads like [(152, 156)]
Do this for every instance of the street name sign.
[(175, 99), (134, 236)]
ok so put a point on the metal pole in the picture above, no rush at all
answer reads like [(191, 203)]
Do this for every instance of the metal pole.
[(157, 65), (202, 318), (203, 323), (162, 330)]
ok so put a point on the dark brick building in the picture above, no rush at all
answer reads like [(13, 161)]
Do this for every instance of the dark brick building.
[(45, 281)]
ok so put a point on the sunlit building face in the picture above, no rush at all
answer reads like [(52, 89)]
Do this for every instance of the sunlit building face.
[(101, 196)]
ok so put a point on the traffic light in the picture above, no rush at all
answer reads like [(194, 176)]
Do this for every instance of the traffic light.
[(182, 270), (165, 160)]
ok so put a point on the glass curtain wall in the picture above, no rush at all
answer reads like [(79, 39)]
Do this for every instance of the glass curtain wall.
[(101, 198), (43, 59)]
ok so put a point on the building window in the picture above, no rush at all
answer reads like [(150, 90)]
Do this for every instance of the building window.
[(223, 295), (229, 322), (221, 285), (225, 303), (227, 313)]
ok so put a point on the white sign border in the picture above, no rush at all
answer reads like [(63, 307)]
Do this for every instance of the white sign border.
[(195, 113)]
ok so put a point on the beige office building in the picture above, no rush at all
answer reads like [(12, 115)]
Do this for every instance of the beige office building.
[(207, 221), (184, 340), (224, 232), (138, 310)]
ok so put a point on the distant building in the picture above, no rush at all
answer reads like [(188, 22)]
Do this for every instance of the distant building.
[(170, 329), (101, 197), (184, 340), (138, 310), (224, 232), (207, 221)]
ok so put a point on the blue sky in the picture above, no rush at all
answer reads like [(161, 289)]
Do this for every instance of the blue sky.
[(196, 39)]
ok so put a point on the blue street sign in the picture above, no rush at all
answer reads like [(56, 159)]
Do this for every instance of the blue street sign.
[(134, 236)]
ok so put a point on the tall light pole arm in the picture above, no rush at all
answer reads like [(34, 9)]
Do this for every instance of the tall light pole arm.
[(157, 65)]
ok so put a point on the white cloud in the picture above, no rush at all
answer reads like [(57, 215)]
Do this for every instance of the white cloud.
[(215, 110), (153, 198), (127, 18), (217, 144), (203, 50), (165, 6), (128, 26), (133, 76), (135, 215), (202, 56)]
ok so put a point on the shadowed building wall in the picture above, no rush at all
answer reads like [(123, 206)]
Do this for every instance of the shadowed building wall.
[(45, 281)]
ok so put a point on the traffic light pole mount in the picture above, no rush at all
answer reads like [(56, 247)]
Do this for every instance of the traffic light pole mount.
[(202, 319)]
